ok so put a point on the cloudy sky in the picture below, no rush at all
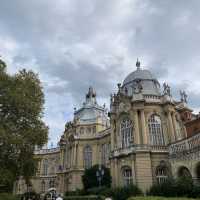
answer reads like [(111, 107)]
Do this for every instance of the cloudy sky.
[(73, 44)]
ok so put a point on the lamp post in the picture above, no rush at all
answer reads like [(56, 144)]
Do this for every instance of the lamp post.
[(100, 174)]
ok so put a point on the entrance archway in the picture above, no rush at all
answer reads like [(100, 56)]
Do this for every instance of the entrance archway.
[(184, 172), (198, 173)]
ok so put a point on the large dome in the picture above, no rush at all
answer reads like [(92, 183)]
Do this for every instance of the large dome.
[(138, 74), (141, 81)]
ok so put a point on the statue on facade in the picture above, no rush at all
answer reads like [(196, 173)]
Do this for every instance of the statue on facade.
[(137, 87), (183, 96), (167, 89)]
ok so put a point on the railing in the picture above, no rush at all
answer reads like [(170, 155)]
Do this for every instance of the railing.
[(186, 148), (45, 151), (139, 147)]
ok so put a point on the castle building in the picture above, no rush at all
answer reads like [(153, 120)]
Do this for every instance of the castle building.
[(142, 139)]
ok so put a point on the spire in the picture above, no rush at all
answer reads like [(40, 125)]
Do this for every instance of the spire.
[(138, 64)]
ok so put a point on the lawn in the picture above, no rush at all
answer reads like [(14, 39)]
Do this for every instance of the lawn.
[(159, 198)]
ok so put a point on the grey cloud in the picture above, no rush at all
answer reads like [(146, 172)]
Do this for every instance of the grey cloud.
[(74, 44)]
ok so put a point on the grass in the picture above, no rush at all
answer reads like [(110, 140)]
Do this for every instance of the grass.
[(160, 198)]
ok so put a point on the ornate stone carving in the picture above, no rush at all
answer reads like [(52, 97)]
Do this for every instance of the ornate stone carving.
[(183, 96), (166, 89)]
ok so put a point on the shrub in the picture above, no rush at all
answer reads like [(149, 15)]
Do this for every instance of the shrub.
[(167, 189), (77, 192), (195, 193), (91, 197), (122, 193), (6, 196), (89, 178), (184, 186)]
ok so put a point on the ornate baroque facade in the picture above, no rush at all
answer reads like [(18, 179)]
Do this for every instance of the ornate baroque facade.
[(142, 139)]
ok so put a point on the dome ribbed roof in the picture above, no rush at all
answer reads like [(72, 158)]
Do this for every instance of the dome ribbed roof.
[(138, 74), (143, 80)]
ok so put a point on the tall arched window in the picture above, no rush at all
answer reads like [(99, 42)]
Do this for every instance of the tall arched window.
[(126, 129), (45, 167), (127, 176), (161, 174), (87, 157), (155, 130)]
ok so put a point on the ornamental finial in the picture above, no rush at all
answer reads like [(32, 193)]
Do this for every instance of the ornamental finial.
[(138, 64)]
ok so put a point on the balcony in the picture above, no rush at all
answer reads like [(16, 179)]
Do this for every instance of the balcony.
[(139, 148), (187, 148)]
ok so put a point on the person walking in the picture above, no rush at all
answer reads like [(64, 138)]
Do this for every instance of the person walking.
[(59, 197)]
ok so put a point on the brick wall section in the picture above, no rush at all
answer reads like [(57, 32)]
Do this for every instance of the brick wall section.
[(193, 127)]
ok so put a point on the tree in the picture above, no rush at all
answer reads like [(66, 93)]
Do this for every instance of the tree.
[(21, 127), (89, 178)]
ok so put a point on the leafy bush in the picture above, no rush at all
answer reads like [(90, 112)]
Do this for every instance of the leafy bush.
[(91, 197), (167, 189), (76, 193), (6, 196), (182, 186), (195, 193), (158, 198), (120, 193), (89, 178)]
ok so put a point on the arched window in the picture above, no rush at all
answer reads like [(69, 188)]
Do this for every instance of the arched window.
[(155, 130), (87, 157), (127, 176), (161, 174), (184, 172), (45, 167), (198, 172), (126, 129)]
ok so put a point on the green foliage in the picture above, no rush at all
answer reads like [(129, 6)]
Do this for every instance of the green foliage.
[(89, 178), (6, 196), (167, 189), (91, 197), (182, 186), (121, 193), (21, 127), (158, 198), (195, 193), (76, 193)]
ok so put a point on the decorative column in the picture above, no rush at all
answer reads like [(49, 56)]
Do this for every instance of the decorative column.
[(133, 169), (171, 131), (136, 128), (174, 125), (144, 131), (112, 136), (116, 173)]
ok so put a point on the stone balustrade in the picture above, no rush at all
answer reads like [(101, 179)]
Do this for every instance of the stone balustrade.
[(139, 147), (188, 148), (46, 151)]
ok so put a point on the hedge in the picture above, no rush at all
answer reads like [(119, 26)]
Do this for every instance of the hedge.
[(90, 197), (7, 196), (159, 198)]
